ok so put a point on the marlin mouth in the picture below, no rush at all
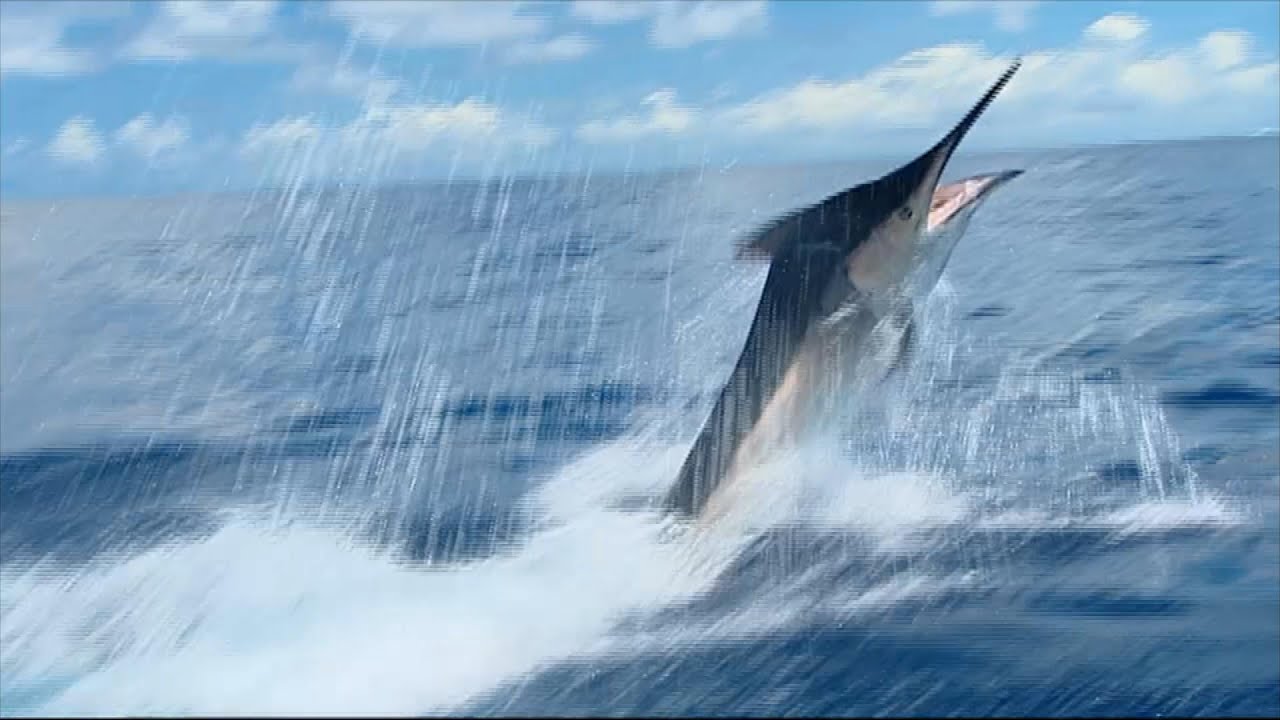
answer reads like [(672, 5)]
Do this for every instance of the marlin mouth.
[(949, 200)]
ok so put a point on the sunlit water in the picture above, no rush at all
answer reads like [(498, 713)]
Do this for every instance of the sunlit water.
[(390, 451)]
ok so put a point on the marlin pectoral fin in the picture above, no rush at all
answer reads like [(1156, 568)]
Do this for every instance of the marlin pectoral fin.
[(905, 318), (906, 347)]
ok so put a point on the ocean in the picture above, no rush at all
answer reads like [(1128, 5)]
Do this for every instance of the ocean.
[(391, 450)]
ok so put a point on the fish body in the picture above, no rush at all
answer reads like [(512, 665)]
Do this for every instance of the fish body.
[(836, 309)]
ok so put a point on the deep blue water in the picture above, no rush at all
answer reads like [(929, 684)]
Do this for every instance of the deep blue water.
[(389, 451)]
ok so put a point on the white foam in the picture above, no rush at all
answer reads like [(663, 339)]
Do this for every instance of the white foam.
[(819, 487), (1165, 515), (253, 622), (609, 474), (1154, 516), (302, 621), (893, 501), (788, 606)]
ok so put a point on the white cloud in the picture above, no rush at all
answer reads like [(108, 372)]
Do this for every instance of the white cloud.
[(401, 129), (1225, 49), (1259, 80), (187, 29), (558, 49), (1117, 27), (33, 36), (1088, 81), (283, 134), (146, 138), (1168, 80), (1216, 67), (911, 91), (1010, 15), (612, 12), (368, 86), (439, 23), (417, 126), (15, 148), (665, 116), (77, 142), (35, 47), (1108, 78), (678, 24)]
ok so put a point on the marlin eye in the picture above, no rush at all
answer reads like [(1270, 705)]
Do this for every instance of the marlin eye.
[(906, 214)]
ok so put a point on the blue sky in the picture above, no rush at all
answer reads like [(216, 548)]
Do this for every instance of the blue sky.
[(108, 97)]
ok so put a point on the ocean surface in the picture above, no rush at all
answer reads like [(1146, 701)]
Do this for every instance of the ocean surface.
[(390, 450)]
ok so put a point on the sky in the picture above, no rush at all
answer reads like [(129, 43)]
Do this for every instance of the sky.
[(148, 97)]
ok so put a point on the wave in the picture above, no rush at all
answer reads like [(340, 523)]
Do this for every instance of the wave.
[(266, 619)]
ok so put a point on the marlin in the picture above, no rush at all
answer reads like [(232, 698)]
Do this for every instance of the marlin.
[(836, 306)]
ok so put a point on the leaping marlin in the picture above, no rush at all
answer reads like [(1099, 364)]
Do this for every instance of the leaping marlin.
[(836, 305)]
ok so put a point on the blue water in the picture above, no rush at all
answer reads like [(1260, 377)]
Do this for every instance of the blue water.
[(388, 450)]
